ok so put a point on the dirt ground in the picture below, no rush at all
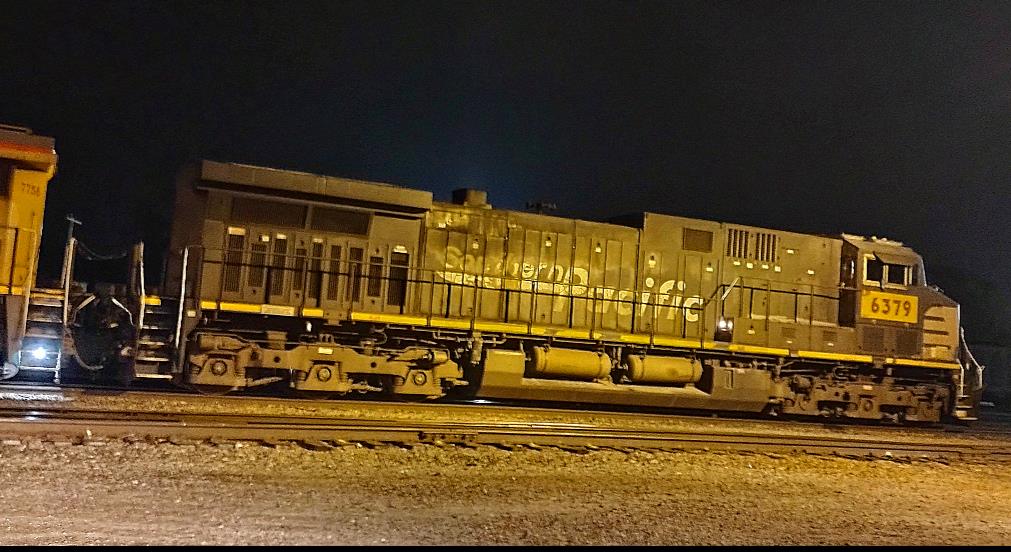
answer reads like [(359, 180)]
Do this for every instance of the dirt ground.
[(139, 493)]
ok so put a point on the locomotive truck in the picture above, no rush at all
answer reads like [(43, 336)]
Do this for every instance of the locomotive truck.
[(325, 286)]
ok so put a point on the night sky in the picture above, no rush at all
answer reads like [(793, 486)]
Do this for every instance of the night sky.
[(879, 118)]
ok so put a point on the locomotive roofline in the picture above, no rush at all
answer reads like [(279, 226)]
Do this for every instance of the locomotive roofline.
[(306, 186)]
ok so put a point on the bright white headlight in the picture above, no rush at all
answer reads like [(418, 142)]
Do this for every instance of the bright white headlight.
[(38, 353)]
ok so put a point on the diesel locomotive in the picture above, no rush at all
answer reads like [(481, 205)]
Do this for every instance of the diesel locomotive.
[(328, 286)]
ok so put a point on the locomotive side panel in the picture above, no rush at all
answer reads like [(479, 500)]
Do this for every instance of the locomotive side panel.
[(679, 272), (296, 244), (604, 263), (523, 270), (464, 263)]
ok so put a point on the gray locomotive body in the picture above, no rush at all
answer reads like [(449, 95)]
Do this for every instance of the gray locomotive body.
[(330, 285)]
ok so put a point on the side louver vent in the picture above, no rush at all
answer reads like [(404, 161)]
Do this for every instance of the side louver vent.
[(737, 243), (765, 247)]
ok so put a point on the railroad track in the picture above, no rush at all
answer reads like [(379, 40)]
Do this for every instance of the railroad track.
[(992, 424), (324, 433)]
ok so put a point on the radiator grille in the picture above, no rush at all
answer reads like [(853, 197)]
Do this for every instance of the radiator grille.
[(333, 278), (315, 270), (280, 255), (873, 340), (233, 262), (257, 262), (907, 342)]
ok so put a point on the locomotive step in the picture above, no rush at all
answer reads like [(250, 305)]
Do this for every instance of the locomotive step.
[(41, 335), (153, 376), (154, 344), (152, 359), (155, 341), (39, 368), (46, 302), (46, 319), (48, 291)]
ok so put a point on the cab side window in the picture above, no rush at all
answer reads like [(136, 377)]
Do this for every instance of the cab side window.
[(888, 274), (874, 270), (897, 274)]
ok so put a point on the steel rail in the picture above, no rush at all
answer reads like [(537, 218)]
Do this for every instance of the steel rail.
[(74, 391), (318, 433), (996, 429)]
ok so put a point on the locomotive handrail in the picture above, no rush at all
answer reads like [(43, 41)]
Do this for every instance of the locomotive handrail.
[(177, 334), (609, 308), (627, 303)]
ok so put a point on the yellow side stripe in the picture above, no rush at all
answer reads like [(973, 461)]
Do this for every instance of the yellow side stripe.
[(390, 318), (451, 323), (152, 300), (239, 307), (927, 363), (834, 356), (277, 310), (759, 350), (568, 332), (675, 342), (456, 323), (500, 327)]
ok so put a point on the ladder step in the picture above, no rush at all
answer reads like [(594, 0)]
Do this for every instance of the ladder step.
[(45, 319), (154, 376), (49, 291), (152, 359), (45, 302), (39, 368), (40, 335)]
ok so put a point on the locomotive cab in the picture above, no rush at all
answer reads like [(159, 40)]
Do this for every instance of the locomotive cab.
[(902, 321), (884, 296)]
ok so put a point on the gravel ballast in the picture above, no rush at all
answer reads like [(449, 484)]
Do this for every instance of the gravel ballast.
[(141, 493)]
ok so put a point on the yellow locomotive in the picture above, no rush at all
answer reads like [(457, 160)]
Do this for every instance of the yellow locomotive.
[(328, 286)]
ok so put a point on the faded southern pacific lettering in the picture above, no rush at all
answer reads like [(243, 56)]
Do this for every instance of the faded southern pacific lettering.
[(666, 298)]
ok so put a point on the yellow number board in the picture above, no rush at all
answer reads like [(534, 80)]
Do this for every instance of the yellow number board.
[(889, 306)]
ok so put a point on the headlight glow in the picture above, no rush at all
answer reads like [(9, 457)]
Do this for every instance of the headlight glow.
[(38, 353)]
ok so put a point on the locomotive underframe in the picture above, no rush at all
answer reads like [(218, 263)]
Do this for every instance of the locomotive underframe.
[(420, 362)]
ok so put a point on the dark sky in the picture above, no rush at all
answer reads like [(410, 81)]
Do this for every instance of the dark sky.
[(883, 118)]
